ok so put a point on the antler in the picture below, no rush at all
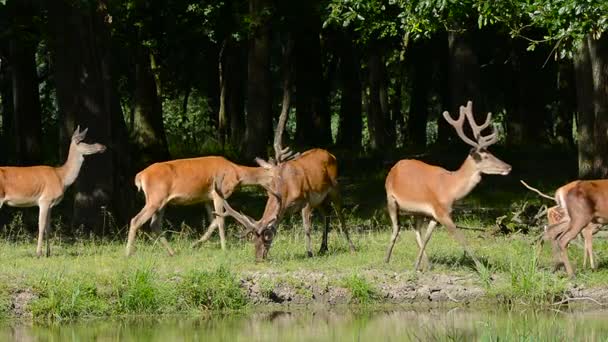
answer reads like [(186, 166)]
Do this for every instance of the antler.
[(249, 223), (284, 154), (481, 141)]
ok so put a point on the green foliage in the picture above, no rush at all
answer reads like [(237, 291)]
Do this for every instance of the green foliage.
[(62, 298), (361, 290), (139, 293), (214, 290)]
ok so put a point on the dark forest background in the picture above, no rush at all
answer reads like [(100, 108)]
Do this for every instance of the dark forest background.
[(157, 80)]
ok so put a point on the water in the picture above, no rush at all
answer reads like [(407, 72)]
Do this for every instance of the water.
[(332, 325)]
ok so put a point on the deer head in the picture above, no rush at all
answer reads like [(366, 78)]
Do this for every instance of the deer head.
[(485, 161), (263, 230), (84, 148)]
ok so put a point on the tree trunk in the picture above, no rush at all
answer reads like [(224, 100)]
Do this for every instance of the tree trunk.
[(231, 118), (26, 99), (567, 103), (313, 124), (421, 69), (79, 38), (378, 110), (259, 87), (586, 118), (598, 56), (148, 129), (351, 120)]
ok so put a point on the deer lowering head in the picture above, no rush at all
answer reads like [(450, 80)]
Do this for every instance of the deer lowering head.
[(263, 230), (485, 161)]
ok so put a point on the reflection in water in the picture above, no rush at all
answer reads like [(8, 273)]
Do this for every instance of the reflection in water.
[(330, 325)]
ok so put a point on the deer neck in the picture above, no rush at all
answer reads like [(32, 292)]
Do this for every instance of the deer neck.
[(253, 175), (464, 180), (70, 169)]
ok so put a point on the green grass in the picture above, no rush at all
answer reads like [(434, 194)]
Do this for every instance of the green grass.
[(90, 278)]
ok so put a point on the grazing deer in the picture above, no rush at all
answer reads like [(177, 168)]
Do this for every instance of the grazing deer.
[(300, 184), (44, 186), (186, 182), (577, 202), (426, 190)]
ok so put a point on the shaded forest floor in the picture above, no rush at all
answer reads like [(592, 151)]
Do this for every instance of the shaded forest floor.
[(92, 277)]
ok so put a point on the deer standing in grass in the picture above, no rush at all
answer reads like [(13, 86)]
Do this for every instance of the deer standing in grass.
[(425, 190), (44, 186), (301, 184), (582, 207), (186, 182)]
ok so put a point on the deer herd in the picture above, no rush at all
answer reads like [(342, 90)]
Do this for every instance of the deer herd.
[(307, 181)]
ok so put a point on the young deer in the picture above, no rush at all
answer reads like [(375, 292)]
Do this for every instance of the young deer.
[(429, 191), (44, 186), (558, 219), (185, 182), (300, 184), (581, 208)]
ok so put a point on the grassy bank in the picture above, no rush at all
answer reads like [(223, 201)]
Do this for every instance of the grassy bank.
[(93, 278)]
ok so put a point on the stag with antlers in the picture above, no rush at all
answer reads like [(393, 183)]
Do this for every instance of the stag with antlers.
[(44, 186), (300, 182), (425, 190), (581, 207)]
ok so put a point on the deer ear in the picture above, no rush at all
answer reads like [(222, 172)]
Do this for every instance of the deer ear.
[(76, 132), (83, 134)]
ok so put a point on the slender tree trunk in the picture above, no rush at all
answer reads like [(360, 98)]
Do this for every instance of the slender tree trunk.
[(396, 106), (351, 120), (259, 94), (598, 55), (567, 104), (313, 126), (421, 70), (586, 118), (148, 129), (26, 99), (378, 112), (235, 92), (80, 44)]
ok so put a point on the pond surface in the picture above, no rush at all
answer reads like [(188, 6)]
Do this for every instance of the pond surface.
[(395, 324)]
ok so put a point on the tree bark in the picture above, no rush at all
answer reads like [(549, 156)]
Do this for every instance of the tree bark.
[(421, 69), (567, 104), (351, 120), (26, 99), (259, 87), (378, 106), (598, 56), (79, 38), (586, 117), (231, 118), (313, 123), (148, 130)]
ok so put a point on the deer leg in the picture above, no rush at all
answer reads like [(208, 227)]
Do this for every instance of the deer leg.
[(427, 237), (588, 236), (306, 216), (446, 220), (44, 216), (393, 213), (211, 226), (418, 228), (142, 217), (575, 228), (156, 225), (336, 202), (324, 248)]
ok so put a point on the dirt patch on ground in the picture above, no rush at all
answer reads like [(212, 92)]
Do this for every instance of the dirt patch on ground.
[(20, 301), (302, 287)]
